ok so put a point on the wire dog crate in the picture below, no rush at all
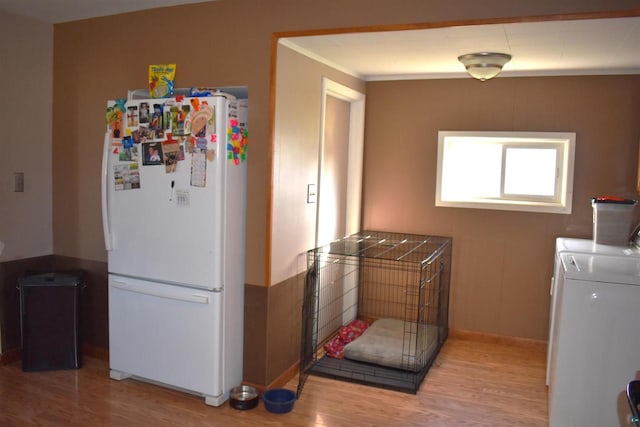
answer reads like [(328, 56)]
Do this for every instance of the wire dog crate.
[(375, 309)]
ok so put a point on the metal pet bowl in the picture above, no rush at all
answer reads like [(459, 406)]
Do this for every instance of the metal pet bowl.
[(243, 397), (278, 400)]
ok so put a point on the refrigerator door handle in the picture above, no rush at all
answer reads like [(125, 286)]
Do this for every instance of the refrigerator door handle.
[(173, 295), (106, 150)]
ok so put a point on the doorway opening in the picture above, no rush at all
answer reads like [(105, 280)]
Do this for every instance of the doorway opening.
[(340, 162)]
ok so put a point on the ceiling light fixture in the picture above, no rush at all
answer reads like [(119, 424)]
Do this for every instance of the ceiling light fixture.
[(484, 65)]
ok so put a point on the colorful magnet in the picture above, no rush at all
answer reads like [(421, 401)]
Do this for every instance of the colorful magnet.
[(237, 142), (114, 117)]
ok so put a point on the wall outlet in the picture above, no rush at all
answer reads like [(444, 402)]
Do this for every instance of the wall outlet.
[(18, 182)]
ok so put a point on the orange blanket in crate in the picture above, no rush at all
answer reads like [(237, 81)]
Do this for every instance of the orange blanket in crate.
[(346, 334)]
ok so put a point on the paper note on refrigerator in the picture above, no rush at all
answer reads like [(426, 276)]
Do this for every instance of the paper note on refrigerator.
[(199, 168), (126, 176)]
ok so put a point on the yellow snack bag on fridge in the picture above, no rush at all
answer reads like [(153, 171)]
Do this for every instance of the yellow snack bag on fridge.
[(161, 79)]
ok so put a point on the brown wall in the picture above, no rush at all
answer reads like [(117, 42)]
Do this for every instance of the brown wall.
[(227, 42), (502, 260), (272, 329), (296, 144), (27, 64)]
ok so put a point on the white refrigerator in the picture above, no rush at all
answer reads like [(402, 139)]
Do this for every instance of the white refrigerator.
[(173, 209)]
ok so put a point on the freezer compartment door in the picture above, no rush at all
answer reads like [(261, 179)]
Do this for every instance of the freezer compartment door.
[(168, 334)]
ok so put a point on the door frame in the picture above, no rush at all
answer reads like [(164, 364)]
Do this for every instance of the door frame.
[(355, 160)]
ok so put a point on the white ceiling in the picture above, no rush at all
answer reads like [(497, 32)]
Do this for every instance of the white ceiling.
[(579, 47), (57, 11)]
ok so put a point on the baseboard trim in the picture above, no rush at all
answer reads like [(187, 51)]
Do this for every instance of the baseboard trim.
[(286, 376), (15, 355), (279, 382), (10, 356), (461, 334)]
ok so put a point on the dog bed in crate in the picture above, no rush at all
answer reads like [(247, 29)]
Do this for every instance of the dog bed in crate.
[(391, 343)]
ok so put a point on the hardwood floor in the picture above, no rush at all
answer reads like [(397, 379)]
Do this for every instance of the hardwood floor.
[(472, 383)]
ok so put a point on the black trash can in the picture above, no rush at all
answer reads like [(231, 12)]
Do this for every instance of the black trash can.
[(50, 321)]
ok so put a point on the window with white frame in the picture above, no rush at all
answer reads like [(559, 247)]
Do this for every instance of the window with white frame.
[(523, 171)]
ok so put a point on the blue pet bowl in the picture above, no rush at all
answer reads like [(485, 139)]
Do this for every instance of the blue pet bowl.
[(278, 400)]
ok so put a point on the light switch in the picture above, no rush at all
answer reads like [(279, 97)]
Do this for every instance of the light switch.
[(18, 182), (311, 193)]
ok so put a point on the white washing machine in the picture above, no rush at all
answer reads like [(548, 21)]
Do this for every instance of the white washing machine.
[(588, 246), (582, 246), (595, 339)]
